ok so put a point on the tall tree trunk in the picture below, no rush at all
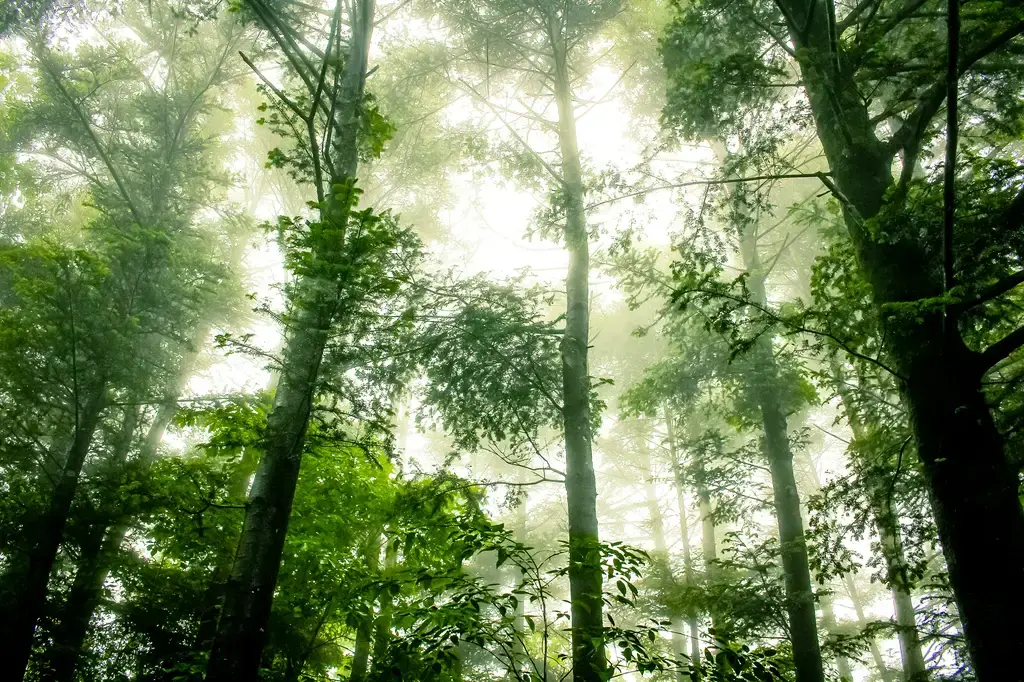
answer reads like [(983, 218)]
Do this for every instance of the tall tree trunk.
[(90, 574), (382, 628), (661, 559), (803, 622), (972, 484), (862, 621), (520, 656), (589, 658), (828, 612), (213, 595), (241, 630), (29, 600), (684, 534), (888, 528), (911, 653), (708, 539), (828, 620), (104, 543), (364, 633)]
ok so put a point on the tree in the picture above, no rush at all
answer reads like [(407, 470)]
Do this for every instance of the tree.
[(127, 285), (547, 43), (342, 260), (912, 246)]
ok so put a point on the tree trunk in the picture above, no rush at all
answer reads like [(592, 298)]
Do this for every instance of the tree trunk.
[(364, 633), (972, 485), (29, 601), (708, 540), (911, 654), (887, 526), (241, 631), (828, 613), (104, 543), (520, 656), (684, 533), (862, 621), (799, 597), (803, 623), (828, 620), (382, 628), (213, 595), (660, 558), (589, 659), (90, 574)]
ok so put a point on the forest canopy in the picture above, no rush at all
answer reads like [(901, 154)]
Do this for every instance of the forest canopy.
[(526, 340)]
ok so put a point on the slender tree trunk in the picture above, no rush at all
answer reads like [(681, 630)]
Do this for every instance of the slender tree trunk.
[(104, 543), (585, 576), (708, 539), (241, 631), (972, 484), (382, 628), (213, 595), (800, 609), (887, 526), (828, 620), (29, 601), (661, 559), (90, 575), (684, 534), (364, 633), (911, 653), (799, 596), (862, 621), (520, 656)]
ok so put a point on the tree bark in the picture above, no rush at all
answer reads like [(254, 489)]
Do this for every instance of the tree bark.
[(103, 543), (972, 485), (862, 621), (684, 533), (364, 633), (800, 609), (382, 628), (828, 620), (520, 656), (29, 602), (585, 576), (241, 630), (708, 540), (799, 596), (87, 589), (887, 525)]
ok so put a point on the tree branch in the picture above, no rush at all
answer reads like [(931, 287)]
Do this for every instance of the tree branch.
[(988, 293), (273, 88), (1000, 350), (122, 188), (528, 148), (910, 135), (713, 181)]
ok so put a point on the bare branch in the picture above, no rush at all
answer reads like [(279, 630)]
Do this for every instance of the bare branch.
[(697, 183)]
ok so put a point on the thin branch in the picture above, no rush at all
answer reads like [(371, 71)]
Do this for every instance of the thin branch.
[(696, 183), (273, 88), (910, 135), (527, 147), (44, 60), (851, 18)]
